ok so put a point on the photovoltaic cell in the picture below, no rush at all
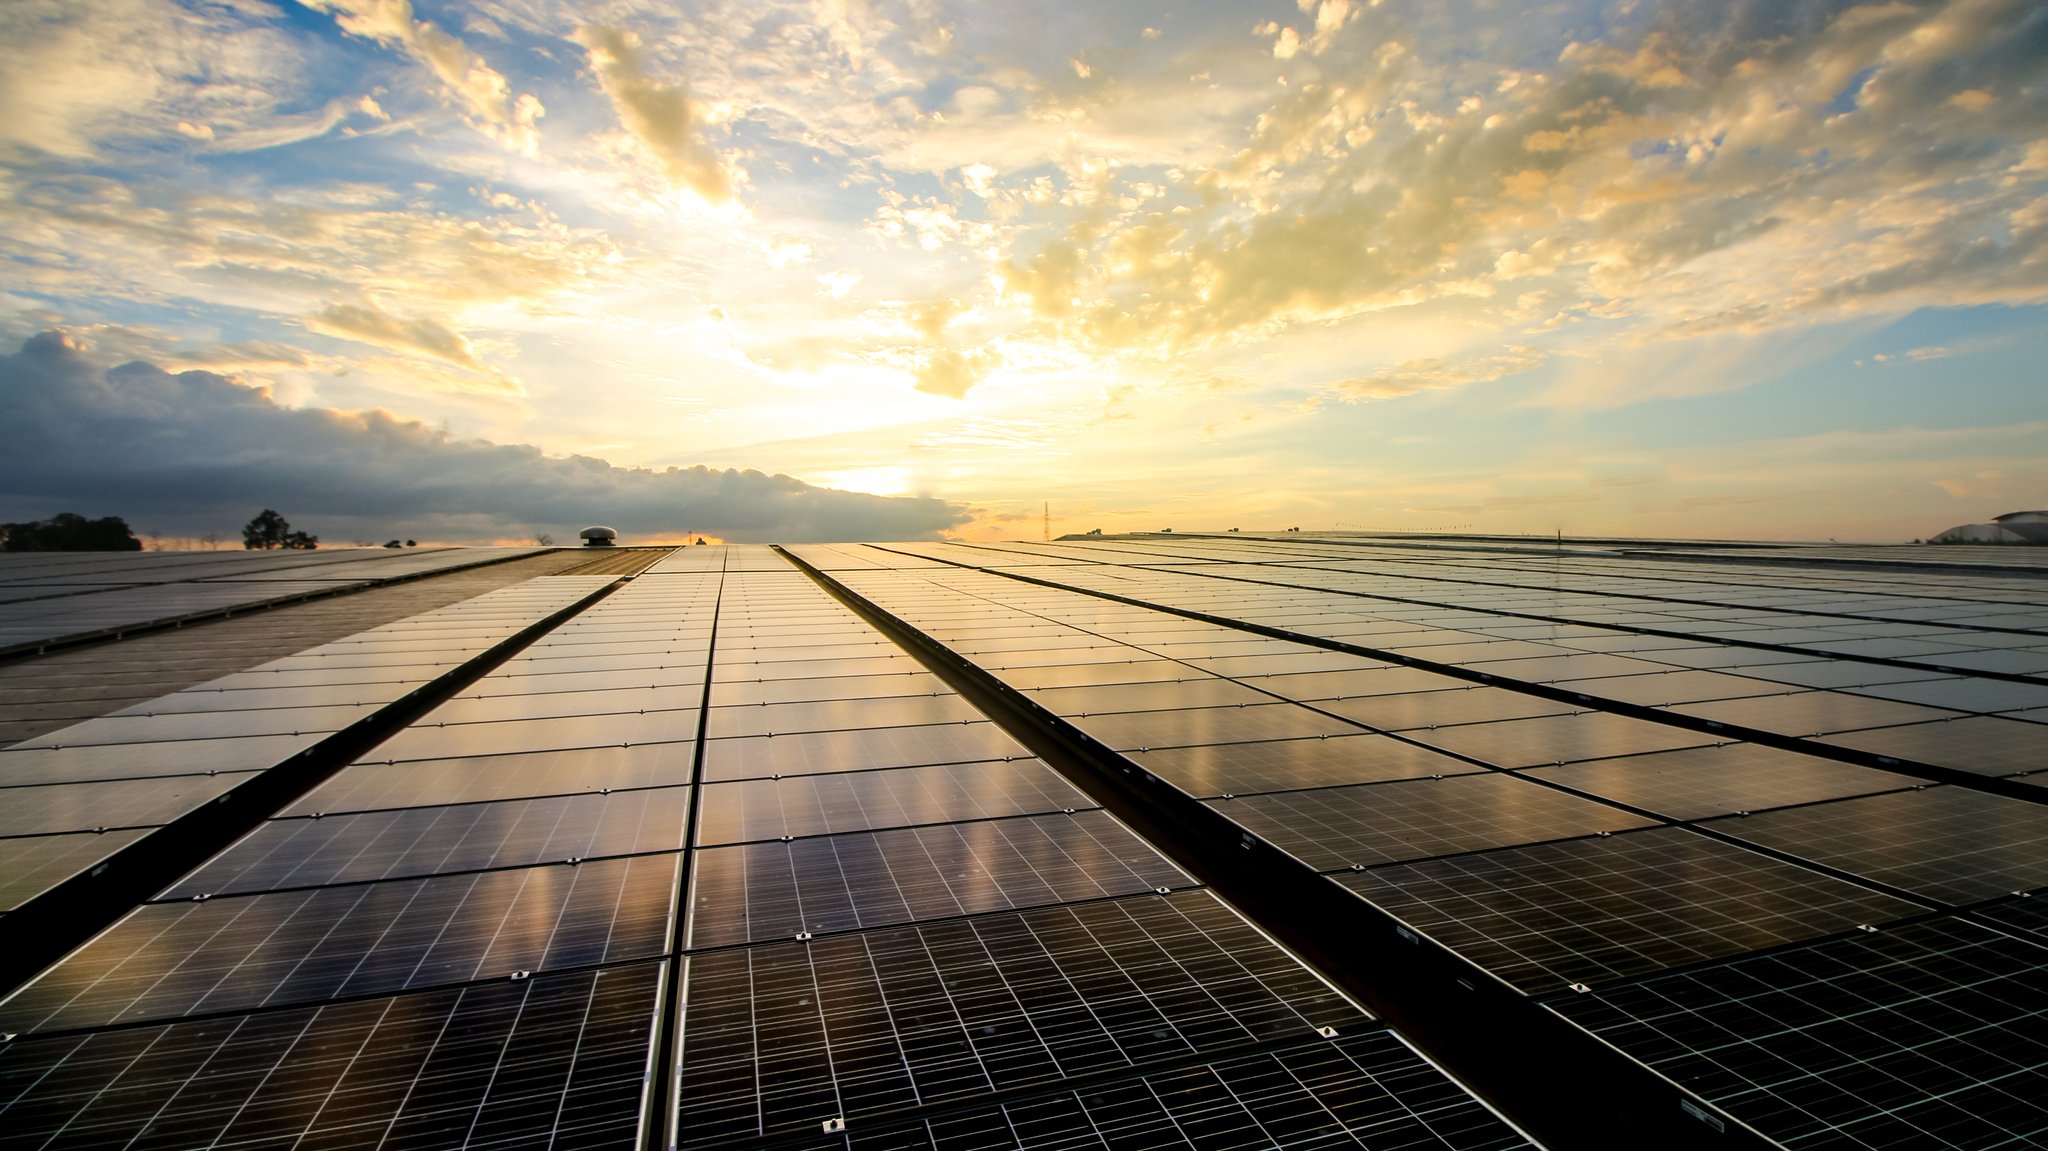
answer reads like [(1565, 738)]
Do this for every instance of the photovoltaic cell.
[(555, 1061), (1928, 1034), (1390, 822), (768, 891), (1946, 843), (243, 952), (1590, 910), (777, 1038)]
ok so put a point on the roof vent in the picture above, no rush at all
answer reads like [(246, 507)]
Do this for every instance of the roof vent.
[(599, 537)]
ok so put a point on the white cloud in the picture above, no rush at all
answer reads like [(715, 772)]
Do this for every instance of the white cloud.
[(467, 80), (662, 118)]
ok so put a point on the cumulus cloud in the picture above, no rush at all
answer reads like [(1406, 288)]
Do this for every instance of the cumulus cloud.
[(195, 452), (467, 79), (661, 117)]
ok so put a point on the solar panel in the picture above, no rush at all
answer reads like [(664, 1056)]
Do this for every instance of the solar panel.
[(1722, 779), (1546, 916), (1987, 745), (1291, 764), (758, 757), (1946, 843), (1388, 822), (237, 953), (836, 883), (779, 1038), (1926, 1034), (870, 800), (1366, 1091), (414, 841), (556, 1060)]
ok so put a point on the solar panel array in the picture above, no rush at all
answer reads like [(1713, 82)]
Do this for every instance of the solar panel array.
[(714, 862), (1768, 829), (711, 861)]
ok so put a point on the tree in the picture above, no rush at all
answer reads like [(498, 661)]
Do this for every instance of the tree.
[(269, 530), (69, 532)]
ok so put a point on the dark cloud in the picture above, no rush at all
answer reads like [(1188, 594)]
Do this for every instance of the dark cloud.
[(194, 452)]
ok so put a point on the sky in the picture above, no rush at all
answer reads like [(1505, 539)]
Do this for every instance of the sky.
[(844, 269)]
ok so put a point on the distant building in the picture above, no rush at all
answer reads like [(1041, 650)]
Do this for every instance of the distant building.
[(2010, 528)]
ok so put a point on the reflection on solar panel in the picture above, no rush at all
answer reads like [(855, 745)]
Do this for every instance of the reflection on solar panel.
[(928, 845)]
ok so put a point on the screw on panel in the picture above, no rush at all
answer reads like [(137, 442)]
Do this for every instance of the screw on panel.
[(834, 1125), (519, 975), (1327, 1032), (803, 936)]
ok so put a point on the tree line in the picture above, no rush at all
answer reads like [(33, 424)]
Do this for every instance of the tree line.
[(71, 532)]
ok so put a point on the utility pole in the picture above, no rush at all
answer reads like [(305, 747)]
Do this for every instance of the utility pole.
[(1048, 521)]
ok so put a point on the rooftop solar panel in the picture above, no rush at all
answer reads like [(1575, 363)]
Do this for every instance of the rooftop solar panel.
[(836, 883), (557, 1060), (238, 953), (1946, 843), (1292, 764), (416, 841), (1721, 779), (1548, 916), (1365, 1091), (779, 1038), (1341, 827), (870, 800), (1927, 1034)]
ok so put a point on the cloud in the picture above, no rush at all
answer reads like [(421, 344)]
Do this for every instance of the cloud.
[(661, 117), (1430, 375), (194, 452), (1767, 166), (467, 79), (77, 76), (370, 324), (951, 373)]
